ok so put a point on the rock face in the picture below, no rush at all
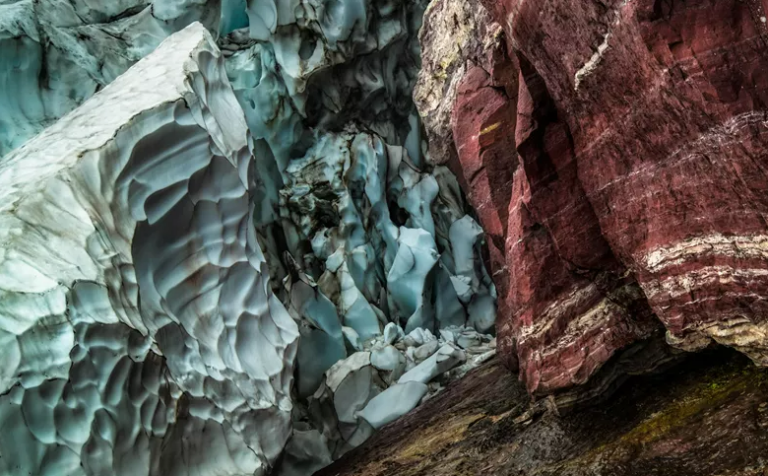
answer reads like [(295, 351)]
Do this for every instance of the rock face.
[(138, 322), (676, 424), (636, 184), (454, 35)]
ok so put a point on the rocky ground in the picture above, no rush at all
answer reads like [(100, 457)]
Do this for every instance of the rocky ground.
[(705, 416)]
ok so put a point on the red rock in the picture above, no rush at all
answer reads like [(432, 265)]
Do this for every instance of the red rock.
[(487, 158), (641, 130), (667, 108), (454, 37)]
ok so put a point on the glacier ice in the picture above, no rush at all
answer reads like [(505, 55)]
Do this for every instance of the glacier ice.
[(55, 54), (444, 359), (136, 306), (393, 403), (373, 387), (242, 255)]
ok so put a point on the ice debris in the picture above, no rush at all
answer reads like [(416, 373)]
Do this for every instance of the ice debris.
[(376, 386), (182, 271)]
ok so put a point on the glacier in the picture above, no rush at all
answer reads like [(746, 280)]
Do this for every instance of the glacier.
[(55, 54), (232, 256), (137, 308)]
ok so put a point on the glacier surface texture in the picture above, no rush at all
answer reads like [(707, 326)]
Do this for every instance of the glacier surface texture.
[(230, 257)]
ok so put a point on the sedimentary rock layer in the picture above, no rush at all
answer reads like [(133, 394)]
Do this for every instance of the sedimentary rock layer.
[(140, 333), (637, 180), (707, 417)]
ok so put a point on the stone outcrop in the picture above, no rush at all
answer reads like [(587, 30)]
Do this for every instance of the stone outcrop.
[(707, 417), (624, 177), (454, 36)]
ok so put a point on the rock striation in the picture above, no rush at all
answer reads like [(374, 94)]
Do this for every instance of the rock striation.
[(617, 172)]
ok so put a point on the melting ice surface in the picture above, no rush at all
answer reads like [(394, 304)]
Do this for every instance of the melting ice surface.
[(234, 259)]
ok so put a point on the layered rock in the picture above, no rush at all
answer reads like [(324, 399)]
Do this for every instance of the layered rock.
[(138, 322), (636, 180), (708, 417)]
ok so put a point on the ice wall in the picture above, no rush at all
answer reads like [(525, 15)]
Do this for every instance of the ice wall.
[(250, 270), (54, 54), (140, 333)]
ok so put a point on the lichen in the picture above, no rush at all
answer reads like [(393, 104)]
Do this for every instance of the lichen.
[(438, 437), (715, 388)]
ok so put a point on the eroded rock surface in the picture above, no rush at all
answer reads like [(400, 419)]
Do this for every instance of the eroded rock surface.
[(688, 146), (706, 417), (622, 180)]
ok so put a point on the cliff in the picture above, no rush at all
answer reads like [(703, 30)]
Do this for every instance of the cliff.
[(615, 154)]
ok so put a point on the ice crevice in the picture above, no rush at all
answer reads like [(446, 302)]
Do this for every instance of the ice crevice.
[(231, 256)]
